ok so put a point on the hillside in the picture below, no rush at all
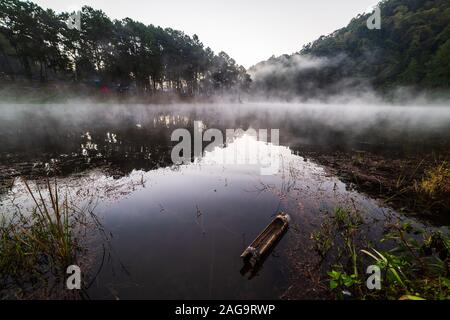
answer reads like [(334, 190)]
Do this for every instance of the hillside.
[(412, 49)]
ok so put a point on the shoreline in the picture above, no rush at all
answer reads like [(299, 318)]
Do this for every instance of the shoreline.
[(393, 180)]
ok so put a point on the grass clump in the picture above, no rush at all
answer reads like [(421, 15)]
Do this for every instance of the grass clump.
[(436, 183), (36, 247)]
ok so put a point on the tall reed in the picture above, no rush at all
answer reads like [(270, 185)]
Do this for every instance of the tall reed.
[(37, 246)]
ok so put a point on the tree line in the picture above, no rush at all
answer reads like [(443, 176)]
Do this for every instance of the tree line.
[(39, 45)]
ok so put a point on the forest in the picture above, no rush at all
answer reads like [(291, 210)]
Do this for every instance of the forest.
[(412, 49), (39, 46)]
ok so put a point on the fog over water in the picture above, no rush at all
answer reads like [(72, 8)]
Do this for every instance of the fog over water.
[(40, 127)]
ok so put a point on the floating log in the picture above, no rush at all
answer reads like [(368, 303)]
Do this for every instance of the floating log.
[(258, 250)]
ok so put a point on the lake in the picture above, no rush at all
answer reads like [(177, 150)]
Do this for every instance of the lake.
[(177, 231)]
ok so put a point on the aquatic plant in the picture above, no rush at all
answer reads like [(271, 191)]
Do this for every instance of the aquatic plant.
[(36, 247), (415, 266), (341, 231)]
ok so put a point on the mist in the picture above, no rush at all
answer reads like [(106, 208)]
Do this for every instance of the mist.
[(363, 117)]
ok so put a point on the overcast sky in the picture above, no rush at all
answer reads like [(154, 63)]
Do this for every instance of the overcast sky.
[(248, 30)]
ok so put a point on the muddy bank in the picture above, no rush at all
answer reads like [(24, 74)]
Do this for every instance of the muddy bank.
[(395, 180)]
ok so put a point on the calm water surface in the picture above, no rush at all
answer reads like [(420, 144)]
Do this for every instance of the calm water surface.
[(178, 231)]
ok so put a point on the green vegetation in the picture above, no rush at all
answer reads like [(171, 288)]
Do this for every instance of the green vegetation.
[(123, 55), (412, 49), (37, 247), (414, 264)]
